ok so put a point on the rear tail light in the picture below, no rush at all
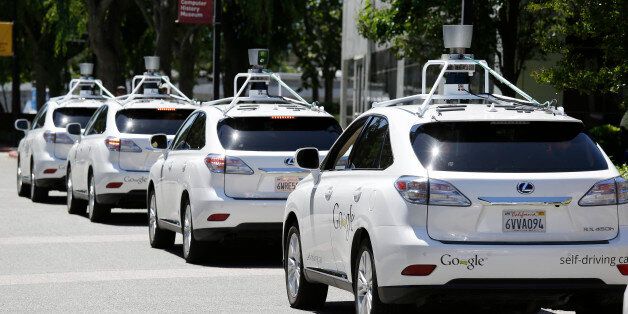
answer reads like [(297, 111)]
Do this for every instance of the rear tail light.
[(418, 270), (608, 192), (60, 138), (122, 145), (420, 190), (227, 164), (623, 269)]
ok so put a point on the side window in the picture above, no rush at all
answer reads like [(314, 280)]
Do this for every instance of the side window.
[(40, 118), (372, 145), (195, 138), (98, 123), (338, 156), (179, 138)]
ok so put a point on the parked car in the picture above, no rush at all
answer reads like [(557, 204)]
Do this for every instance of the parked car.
[(461, 196), (43, 151), (230, 169), (108, 166)]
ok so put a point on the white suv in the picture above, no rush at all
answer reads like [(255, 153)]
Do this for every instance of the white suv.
[(457, 200), (108, 166), (230, 169), (43, 151)]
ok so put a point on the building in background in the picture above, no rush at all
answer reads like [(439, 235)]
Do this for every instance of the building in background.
[(372, 73)]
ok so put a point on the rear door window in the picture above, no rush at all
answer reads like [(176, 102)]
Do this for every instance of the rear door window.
[(194, 137), (517, 147), (369, 150), (283, 133), (151, 120), (64, 116), (98, 123)]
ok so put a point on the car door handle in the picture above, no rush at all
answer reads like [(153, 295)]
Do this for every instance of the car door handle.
[(357, 194), (328, 194)]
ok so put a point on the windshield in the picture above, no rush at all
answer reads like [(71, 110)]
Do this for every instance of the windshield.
[(151, 121), (506, 147), (283, 133), (64, 116)]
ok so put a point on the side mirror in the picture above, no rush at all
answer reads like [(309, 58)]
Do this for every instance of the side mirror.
[(73, 129), (22, 125), (159, 141), (307, 158)]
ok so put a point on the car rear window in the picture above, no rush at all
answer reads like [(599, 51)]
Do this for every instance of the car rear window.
[(151, 121), (64, 116), (278, 133), (506, 147)]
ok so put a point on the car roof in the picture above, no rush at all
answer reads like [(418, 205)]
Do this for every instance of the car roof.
[(265, 107), (151, 103), (473, 112), (60, 102)]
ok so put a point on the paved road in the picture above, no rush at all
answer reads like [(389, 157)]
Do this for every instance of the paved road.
[(51, 261)]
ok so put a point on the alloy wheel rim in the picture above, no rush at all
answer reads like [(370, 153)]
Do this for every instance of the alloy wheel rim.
[(19, 178), (152, 218), (187, 232), (364, 284), (32, 184), (69, 190), (293, 265), (91, 196)]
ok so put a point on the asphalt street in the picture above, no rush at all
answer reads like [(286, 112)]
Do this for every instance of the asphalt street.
[(51, 261)]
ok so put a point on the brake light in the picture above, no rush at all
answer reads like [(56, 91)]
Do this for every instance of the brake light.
[(607, 192), (122, 145), (283, 117), (60, 138), (227, 164), (420, 190), (418, 270), (166, 109)]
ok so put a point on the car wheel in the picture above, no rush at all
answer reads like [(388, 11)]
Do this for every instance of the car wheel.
[(365, 284), (95, 211), (38, 194), (75, 206), (301, 293), (22, 188), (159, 238), (191, 247)]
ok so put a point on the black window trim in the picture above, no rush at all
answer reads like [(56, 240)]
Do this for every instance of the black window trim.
[(381, 149), (40, 115)]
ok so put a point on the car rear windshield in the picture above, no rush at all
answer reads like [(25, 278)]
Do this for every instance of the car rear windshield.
[(278, 133), (151, 121), (506, 147), (64, 116)]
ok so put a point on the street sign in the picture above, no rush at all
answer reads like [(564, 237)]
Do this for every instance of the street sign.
[(6, 39), (195, 11)]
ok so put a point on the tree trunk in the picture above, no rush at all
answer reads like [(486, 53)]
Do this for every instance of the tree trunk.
[(165, 11), (187, 60), (104, 19), (328, 76)]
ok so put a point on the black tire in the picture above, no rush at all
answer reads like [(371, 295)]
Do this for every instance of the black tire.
[(158, 238), (74, 205), (192, 250), (96, 212), (38, 194), (302, 294), (23, 189), (376, 304)]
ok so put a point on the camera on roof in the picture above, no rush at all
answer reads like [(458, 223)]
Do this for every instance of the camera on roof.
[(258, 58)]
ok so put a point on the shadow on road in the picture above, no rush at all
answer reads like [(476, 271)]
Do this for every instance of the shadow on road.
[(56, 200), (337, 307), (238, 254), (127, 219)]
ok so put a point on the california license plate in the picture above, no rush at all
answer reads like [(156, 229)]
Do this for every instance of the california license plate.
[(286, 184), (523, 221)]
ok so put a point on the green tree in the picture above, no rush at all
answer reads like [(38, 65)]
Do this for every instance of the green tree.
[(316, 41), (590, 36), (414, 30)]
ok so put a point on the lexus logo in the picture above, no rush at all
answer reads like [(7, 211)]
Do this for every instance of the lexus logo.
[(289, 161), (525, 187)]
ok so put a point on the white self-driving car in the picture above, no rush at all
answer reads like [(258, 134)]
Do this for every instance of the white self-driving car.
[(43, 151), (230, 169), (461, 196), (108, 166)]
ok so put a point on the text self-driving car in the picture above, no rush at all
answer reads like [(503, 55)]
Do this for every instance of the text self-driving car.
[(462, 196), (229, 168), (108, 166), (43, 151)]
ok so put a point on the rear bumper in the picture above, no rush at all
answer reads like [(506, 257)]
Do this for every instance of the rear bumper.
[(131, 181), (52, 183), (252, 216), (48, 167), (131, 199), (246, 230), (507, 290), (398, 247)]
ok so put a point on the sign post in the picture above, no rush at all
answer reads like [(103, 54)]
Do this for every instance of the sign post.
[(203, 12), (6, 39)]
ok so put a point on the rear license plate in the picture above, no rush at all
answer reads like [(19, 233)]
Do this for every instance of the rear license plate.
[(286, 184), (523, 221)]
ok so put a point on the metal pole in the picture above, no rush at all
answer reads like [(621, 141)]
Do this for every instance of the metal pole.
[(15, 68), (467, 12), (216, 48)]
